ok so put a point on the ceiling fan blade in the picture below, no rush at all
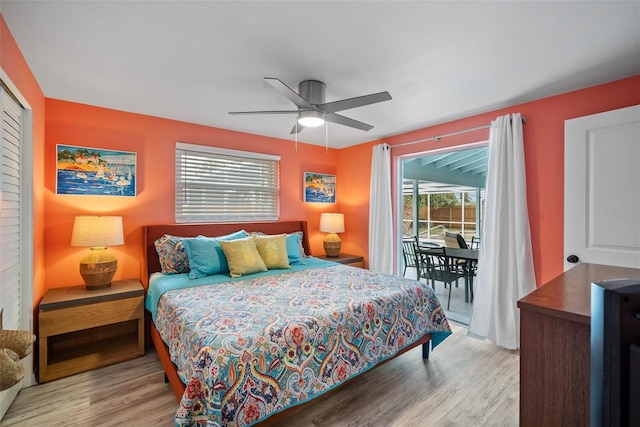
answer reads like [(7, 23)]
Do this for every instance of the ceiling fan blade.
[(265, 112), (359, 101), (289, 93), (346, 121), (297, 128)]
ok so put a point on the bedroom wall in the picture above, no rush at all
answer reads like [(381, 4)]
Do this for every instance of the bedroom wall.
[(15, 67), (153, 139), (544, 153)]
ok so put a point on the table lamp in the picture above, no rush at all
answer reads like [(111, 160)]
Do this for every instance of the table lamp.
[(97, 232), (332, 223)]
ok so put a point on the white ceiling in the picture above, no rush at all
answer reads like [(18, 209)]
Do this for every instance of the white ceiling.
[(197, 60)]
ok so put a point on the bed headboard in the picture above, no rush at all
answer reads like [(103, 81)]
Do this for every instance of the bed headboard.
[(150, 233)]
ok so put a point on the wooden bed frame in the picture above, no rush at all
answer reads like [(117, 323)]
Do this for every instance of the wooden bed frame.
[(151, 264)]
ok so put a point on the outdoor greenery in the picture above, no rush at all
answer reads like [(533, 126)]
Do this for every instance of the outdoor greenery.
[(446, 214), (438, 200)]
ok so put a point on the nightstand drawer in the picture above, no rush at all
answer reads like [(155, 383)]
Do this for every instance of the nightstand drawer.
[(359, 264), (60, 321)]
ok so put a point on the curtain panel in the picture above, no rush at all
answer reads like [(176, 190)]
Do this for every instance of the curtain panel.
[(380, 218), (505, 265)]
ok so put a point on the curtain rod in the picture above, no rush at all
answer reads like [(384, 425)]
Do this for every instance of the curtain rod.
[(444, 135)]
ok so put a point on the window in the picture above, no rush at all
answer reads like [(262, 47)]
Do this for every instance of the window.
[(216, 184)]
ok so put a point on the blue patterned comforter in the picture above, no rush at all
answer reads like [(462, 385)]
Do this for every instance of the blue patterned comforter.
[(250, 347)]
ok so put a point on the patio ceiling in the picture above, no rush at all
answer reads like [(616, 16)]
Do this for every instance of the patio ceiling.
[(462, 170), (425, 187)]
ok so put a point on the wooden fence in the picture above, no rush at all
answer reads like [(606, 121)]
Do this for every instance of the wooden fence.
[(449, 217), (452, 214)]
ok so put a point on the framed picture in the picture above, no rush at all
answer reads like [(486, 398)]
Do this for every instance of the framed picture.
[(319, 188), (95, 171)]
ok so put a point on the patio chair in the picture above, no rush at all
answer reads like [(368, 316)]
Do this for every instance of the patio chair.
[(455, 240), (408, 255), (464, 268), (419, 261), (439, 268), (475, 242)]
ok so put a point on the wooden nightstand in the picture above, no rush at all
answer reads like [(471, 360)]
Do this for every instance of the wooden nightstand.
[(347, 259), (82, 329)]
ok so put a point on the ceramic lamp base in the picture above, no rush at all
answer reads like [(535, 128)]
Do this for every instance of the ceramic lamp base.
[(97, 268), (332, 245)]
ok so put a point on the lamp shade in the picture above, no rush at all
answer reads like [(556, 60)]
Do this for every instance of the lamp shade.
[(332, 222), (95, 231)]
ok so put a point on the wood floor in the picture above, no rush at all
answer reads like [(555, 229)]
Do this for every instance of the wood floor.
[(466, 382)]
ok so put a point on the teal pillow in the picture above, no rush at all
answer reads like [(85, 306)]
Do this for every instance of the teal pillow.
[(293, 247), (206, 256), (233, 236)]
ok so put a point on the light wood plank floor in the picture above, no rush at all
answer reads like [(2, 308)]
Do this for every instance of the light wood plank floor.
[(466, 382)]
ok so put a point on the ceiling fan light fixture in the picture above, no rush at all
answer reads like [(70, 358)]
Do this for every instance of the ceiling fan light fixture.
[(311, 118)]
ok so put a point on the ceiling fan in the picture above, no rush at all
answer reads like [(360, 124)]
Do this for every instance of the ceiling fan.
[(313, 110)]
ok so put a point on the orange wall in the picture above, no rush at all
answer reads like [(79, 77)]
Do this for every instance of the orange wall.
[(544, 157), (354, 168), (15, 67), (153, 139)]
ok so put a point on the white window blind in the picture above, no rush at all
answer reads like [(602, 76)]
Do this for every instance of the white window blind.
[(10, 249), (215, 184)]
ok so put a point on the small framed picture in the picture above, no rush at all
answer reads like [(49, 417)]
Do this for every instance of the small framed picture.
[(319, 188), (95, 171)]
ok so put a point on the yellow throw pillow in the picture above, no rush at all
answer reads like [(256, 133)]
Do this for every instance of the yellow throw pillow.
[(273, 250), (242, 256)]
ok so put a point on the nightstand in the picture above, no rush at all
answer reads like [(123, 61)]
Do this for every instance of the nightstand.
[(347, 259), (82, 329)]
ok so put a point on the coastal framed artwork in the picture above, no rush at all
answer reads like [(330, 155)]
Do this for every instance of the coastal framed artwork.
[(95, 171), (319, 188)]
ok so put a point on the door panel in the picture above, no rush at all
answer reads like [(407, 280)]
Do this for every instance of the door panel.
[(602, 188)]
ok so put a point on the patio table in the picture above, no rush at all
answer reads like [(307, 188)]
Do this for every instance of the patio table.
[(451, 254)]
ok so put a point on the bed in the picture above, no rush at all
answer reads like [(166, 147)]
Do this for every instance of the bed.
[(250, 349)]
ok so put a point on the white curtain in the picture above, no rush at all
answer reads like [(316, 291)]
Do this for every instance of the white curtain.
[(380, 219), (505, 265)]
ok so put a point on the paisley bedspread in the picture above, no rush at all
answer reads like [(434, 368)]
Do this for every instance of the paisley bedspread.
[(249, 348)]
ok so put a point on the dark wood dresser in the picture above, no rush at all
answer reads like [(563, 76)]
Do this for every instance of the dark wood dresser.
[(555, 349)]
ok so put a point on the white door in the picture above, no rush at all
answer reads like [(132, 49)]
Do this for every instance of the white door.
[(602, 188)]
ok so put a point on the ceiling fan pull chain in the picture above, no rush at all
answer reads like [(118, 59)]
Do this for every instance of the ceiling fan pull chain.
[(296, 136), (326, 137)]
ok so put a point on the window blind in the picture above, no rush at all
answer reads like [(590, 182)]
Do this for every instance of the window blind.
[(10, 181), (215, 184)]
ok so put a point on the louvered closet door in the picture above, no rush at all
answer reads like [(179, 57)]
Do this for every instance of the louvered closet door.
[(10, 209), (10, 266)]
